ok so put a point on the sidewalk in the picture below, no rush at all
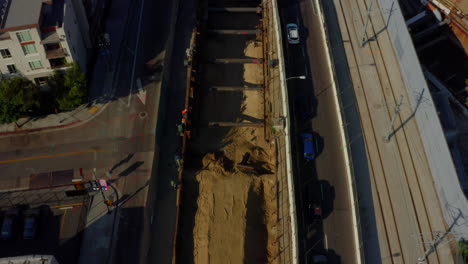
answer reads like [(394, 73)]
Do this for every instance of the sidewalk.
[(101, 86)]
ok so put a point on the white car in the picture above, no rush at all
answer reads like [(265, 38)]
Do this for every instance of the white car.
[(293, 33)]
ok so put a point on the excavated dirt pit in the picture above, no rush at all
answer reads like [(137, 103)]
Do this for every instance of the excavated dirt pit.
[(229, 205)]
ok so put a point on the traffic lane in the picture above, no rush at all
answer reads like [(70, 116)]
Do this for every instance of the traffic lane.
[(93, 154), (164, 197), (310, 230), (316, 101), (330, 164), (116, 121), (301, 101), (139, 47)]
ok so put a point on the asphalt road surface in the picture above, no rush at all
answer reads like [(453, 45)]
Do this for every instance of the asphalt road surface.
[(117, 132), (313, 109)]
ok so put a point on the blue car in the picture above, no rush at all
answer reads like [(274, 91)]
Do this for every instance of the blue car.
[(309, 143)]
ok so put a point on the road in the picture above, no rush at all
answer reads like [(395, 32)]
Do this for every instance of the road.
[(126, 127), (313, 109)]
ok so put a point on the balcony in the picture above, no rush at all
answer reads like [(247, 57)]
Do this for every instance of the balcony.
[(55, 53), (58, 63), (5, 36), (48, 37)]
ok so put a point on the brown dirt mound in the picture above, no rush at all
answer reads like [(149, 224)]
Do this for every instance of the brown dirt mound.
[(236, 213)]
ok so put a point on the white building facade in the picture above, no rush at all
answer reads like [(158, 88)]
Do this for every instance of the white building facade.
[(38, 36)]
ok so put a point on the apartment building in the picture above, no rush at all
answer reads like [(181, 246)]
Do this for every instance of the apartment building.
[(39, 36)]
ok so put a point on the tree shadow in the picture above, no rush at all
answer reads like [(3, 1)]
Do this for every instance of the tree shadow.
[(131, 168), (125, 160)]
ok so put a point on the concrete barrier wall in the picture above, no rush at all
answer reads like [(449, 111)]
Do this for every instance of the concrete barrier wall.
[(444, 174)]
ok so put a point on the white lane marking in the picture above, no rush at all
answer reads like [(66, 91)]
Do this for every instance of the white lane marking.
[(135, 53), (325, 241)]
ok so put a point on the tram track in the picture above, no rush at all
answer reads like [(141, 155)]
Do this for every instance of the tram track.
[(398, 169)]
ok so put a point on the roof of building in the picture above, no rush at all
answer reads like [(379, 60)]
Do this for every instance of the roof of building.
[(19, 13)]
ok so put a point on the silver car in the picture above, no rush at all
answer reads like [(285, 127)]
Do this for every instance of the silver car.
[(293, 33)]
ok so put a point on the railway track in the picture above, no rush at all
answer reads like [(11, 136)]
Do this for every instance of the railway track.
[(406, 203)]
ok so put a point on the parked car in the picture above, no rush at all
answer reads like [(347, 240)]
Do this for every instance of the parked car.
[(30, 225), (314, 203), (319, 259), (310, 146), (293, 33), (9, 224), (316, 200), (315, 209)]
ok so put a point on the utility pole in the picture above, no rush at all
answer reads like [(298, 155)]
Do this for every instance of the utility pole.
[(433, 240), (395, 114), (363, 39)]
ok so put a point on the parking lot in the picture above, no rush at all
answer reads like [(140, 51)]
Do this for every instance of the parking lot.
[(59, 213)]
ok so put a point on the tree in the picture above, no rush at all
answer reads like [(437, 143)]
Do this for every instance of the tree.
[(69, 87), (18, 97), (463, 249)]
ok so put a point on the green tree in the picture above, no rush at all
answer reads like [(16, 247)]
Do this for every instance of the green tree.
[(69, 87), (18, 97), (463, 248)]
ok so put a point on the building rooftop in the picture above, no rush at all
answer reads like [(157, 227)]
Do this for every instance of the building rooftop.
[(17, 13)]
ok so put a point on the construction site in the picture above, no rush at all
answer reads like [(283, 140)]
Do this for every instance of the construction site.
[(231, 182)]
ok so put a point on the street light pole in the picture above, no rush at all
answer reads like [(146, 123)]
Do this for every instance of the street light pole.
[(302, 77)]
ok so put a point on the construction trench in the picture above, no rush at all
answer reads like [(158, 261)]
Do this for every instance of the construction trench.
[(228, 205)]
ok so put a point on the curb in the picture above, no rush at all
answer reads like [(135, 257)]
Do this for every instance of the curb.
[(57, 127), (37, 129)]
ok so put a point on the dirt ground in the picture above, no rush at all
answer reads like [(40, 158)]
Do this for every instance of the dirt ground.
[(234, 208)]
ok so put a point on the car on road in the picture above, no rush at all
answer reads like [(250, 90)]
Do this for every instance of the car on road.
[(293, 33), (9, 224), (309, 143), (319, 259), (314, 203), (315, 209), (30, 225)]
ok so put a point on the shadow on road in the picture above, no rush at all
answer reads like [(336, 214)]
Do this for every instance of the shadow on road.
[(131, 168)]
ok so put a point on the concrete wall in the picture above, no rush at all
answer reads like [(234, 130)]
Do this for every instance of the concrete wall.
[(444, 174)]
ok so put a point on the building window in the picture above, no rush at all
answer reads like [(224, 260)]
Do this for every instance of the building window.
[(24, 36), (29, 49), (11, 68), (5, 53), (35, 65)]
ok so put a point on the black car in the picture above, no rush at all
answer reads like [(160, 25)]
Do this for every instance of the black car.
[(314, 202)]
